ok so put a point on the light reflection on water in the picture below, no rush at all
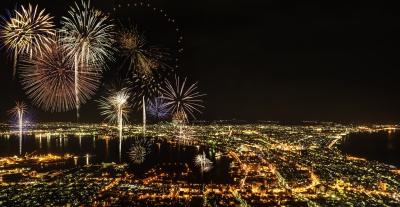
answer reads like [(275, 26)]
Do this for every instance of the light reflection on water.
[(89, 149)]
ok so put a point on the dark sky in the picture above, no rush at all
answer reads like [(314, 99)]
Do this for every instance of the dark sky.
[(263, 60)]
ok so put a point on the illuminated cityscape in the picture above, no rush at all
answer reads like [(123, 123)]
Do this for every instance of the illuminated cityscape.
[(227, 103), (267, 163)]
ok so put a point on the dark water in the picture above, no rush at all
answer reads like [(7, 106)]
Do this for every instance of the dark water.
[(382, 146), (107, 150)]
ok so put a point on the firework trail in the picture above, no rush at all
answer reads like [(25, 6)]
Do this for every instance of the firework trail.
[(89, 38), (49, 80), (26, 31), (18, 112), (181, 99)]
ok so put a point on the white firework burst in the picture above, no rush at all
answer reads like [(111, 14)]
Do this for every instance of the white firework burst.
[(181, 99), (202, 162)]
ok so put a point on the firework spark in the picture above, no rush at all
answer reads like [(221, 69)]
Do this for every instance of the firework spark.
[(49, 80), (140, 148), (141, 57), (26, 31), (180, 99), (157, 109), (202, 162)]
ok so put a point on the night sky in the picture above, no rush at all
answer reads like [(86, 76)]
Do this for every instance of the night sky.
[(261, 59)]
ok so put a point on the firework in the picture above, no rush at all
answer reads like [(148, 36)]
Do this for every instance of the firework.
[(18, 112), (88, 35), (49, 80), (26, 31), (179, 117), (121, 9), (147, 87), (144, 88), (184, 135), (142, 60), (114, 104), (202, 162), (140, 148), (89, 38), (157, 109), (140, 57), (116, 109), (180, 99), (29, 117)]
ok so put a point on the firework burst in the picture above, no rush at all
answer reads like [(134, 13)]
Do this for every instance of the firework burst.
[(157, 109), (89, 38), (202, 162), (26, 31), (29, 117), (141, 58), (140, 148), (18, 111), (49, 80), (181, 99), (115, 106), (145, 88), (88, 35)]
